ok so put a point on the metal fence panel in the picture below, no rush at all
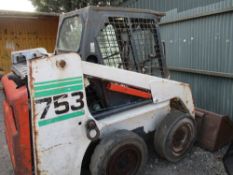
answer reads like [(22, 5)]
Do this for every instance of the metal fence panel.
[(199, 44)]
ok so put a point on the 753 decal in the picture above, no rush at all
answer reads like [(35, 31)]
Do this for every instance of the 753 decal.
[(61, 103)]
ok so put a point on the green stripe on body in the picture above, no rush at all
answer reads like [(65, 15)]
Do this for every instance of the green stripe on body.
[(60, 118), (56, 81), (57, 85), (58, 91)]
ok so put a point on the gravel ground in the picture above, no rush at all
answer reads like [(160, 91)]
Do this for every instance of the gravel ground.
[(197, 162)]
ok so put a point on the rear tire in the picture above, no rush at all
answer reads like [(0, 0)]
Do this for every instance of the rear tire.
[(175, 136), (121, 153)]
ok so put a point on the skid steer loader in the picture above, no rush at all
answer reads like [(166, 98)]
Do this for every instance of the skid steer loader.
[(85, 108)]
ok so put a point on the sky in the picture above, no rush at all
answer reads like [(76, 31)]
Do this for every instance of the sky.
[(17, 5)]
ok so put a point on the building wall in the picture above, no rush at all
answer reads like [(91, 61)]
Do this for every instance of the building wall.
[(20, 32), (199, 46)]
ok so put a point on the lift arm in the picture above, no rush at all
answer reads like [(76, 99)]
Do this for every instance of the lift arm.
[(161, 89)]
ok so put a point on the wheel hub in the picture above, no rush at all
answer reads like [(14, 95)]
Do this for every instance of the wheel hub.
[(181, 139), (125, 161)]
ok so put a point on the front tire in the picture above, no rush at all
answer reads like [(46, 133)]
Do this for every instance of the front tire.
[(175, 136), (121, 153)]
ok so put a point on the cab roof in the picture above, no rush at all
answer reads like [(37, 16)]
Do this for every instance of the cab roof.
[(118, 9)]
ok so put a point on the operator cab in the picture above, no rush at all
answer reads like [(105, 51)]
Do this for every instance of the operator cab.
[(116, 37)]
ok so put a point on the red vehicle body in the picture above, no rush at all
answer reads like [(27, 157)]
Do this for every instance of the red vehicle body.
[(17, 126)]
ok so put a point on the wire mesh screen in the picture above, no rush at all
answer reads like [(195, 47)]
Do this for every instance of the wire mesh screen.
[(130, 43), (109, 47), (143, 37)]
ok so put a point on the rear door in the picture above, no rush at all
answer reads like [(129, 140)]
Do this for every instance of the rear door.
[(58, 114)]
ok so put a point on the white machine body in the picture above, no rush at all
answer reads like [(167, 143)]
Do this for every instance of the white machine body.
[(59, 110)]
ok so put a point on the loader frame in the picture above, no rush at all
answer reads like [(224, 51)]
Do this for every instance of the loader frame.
[(109, 76), (51, 113)]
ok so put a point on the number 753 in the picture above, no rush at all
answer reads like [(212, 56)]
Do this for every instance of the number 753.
[(61, 105)]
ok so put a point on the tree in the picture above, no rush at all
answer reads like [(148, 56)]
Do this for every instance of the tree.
[(65, 5)]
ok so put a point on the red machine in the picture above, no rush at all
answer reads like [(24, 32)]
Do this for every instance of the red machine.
[(17, 126)]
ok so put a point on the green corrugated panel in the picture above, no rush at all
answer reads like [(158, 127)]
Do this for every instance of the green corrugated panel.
[(204, 43)]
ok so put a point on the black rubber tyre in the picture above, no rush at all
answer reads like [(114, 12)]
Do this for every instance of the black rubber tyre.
[(121, 153), (175, 136)]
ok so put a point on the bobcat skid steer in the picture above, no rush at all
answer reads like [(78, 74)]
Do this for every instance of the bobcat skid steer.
[(85, 108)]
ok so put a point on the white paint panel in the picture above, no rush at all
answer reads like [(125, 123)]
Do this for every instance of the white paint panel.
[(60, 145), (161, 89), (59, 140)]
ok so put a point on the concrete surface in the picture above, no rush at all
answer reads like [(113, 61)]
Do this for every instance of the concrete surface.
[(197, 162)]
